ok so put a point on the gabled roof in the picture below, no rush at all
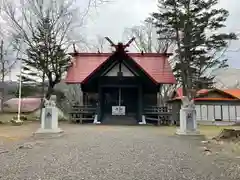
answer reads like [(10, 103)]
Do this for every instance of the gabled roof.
[(178, 93), (155, 65), (231, 94)]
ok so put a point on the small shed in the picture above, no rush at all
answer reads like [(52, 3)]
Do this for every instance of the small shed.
[(212, 105)]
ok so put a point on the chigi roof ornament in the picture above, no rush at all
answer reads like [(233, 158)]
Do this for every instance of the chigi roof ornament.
[(73, 58), (120, 46)]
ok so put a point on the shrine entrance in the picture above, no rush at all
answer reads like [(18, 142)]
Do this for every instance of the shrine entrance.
[(119, 103)]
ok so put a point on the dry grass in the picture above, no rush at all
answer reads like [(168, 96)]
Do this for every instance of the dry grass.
[(9, 133), (6, 117), (208, 131), (212, 131), (228, 147)]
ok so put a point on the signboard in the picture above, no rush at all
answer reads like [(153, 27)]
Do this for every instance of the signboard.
[(118, 110), (48, 118), (189, 120)]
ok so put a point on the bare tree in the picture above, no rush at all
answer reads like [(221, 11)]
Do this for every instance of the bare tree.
[(7, 63), (64, 18), (148, 41), (101, 45)]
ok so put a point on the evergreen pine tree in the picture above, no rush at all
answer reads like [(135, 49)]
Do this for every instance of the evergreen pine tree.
[(196, 25), (45, 58)]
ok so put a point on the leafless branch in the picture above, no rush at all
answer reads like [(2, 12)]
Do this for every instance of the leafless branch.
[(65, 18), (147, 39)]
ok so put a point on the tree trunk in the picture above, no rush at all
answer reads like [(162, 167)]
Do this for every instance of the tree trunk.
[(50, 89), (43, 95)]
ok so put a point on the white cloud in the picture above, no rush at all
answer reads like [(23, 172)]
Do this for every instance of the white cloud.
[(112, 18)]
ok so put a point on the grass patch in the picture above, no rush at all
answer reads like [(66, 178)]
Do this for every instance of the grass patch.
[(6, 117), (227, 146)]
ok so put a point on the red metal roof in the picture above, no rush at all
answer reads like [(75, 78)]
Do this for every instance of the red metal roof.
[(214, 99), (179, 92), (155, 65), (234, 93)]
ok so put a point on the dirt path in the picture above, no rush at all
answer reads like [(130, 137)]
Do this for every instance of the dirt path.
[(113, 152)]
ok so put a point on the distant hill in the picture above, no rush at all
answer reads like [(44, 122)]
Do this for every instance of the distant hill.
[(9, 85), (227, 78)]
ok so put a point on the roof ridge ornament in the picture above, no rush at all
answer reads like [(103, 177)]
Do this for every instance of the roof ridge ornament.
[(120, 47), (74, 49)]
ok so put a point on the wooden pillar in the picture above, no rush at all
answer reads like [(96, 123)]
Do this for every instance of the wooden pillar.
[(140, 103), (100, 103), (80, 101), (80, 96), (159, 96)]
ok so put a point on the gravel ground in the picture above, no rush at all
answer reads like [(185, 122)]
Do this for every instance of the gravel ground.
[(114, 153)]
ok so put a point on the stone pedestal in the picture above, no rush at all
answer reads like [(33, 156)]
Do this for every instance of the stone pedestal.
[(49, 119), (96, 120), (143, 122), (188, 122)]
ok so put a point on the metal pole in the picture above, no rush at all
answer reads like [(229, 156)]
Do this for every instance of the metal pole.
[(20, 91), (119, 97), (20, 82)]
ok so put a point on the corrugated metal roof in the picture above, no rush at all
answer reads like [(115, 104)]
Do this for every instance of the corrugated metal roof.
[(179, 92), (234, 93), (83, 66), (214, 99), (155, 65)]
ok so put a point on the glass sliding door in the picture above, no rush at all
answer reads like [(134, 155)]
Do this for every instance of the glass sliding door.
[(120, 101)]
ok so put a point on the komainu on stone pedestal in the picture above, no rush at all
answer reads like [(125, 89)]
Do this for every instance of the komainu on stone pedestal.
[(188, 122), (186, 103), (49, 118)]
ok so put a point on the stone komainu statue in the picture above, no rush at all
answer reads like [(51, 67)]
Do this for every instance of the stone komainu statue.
[(51, 102), (186, 103)]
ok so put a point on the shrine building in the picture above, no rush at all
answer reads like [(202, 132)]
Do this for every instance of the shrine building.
[(120, 83)]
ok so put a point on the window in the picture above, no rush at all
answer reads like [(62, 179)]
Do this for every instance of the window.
[(238, 113), (204, 112), (198, 112), (218, 112), (225, 113), (232, 113), (210, 112)]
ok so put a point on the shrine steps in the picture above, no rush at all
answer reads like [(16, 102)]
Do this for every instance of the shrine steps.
[(119, 120)]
